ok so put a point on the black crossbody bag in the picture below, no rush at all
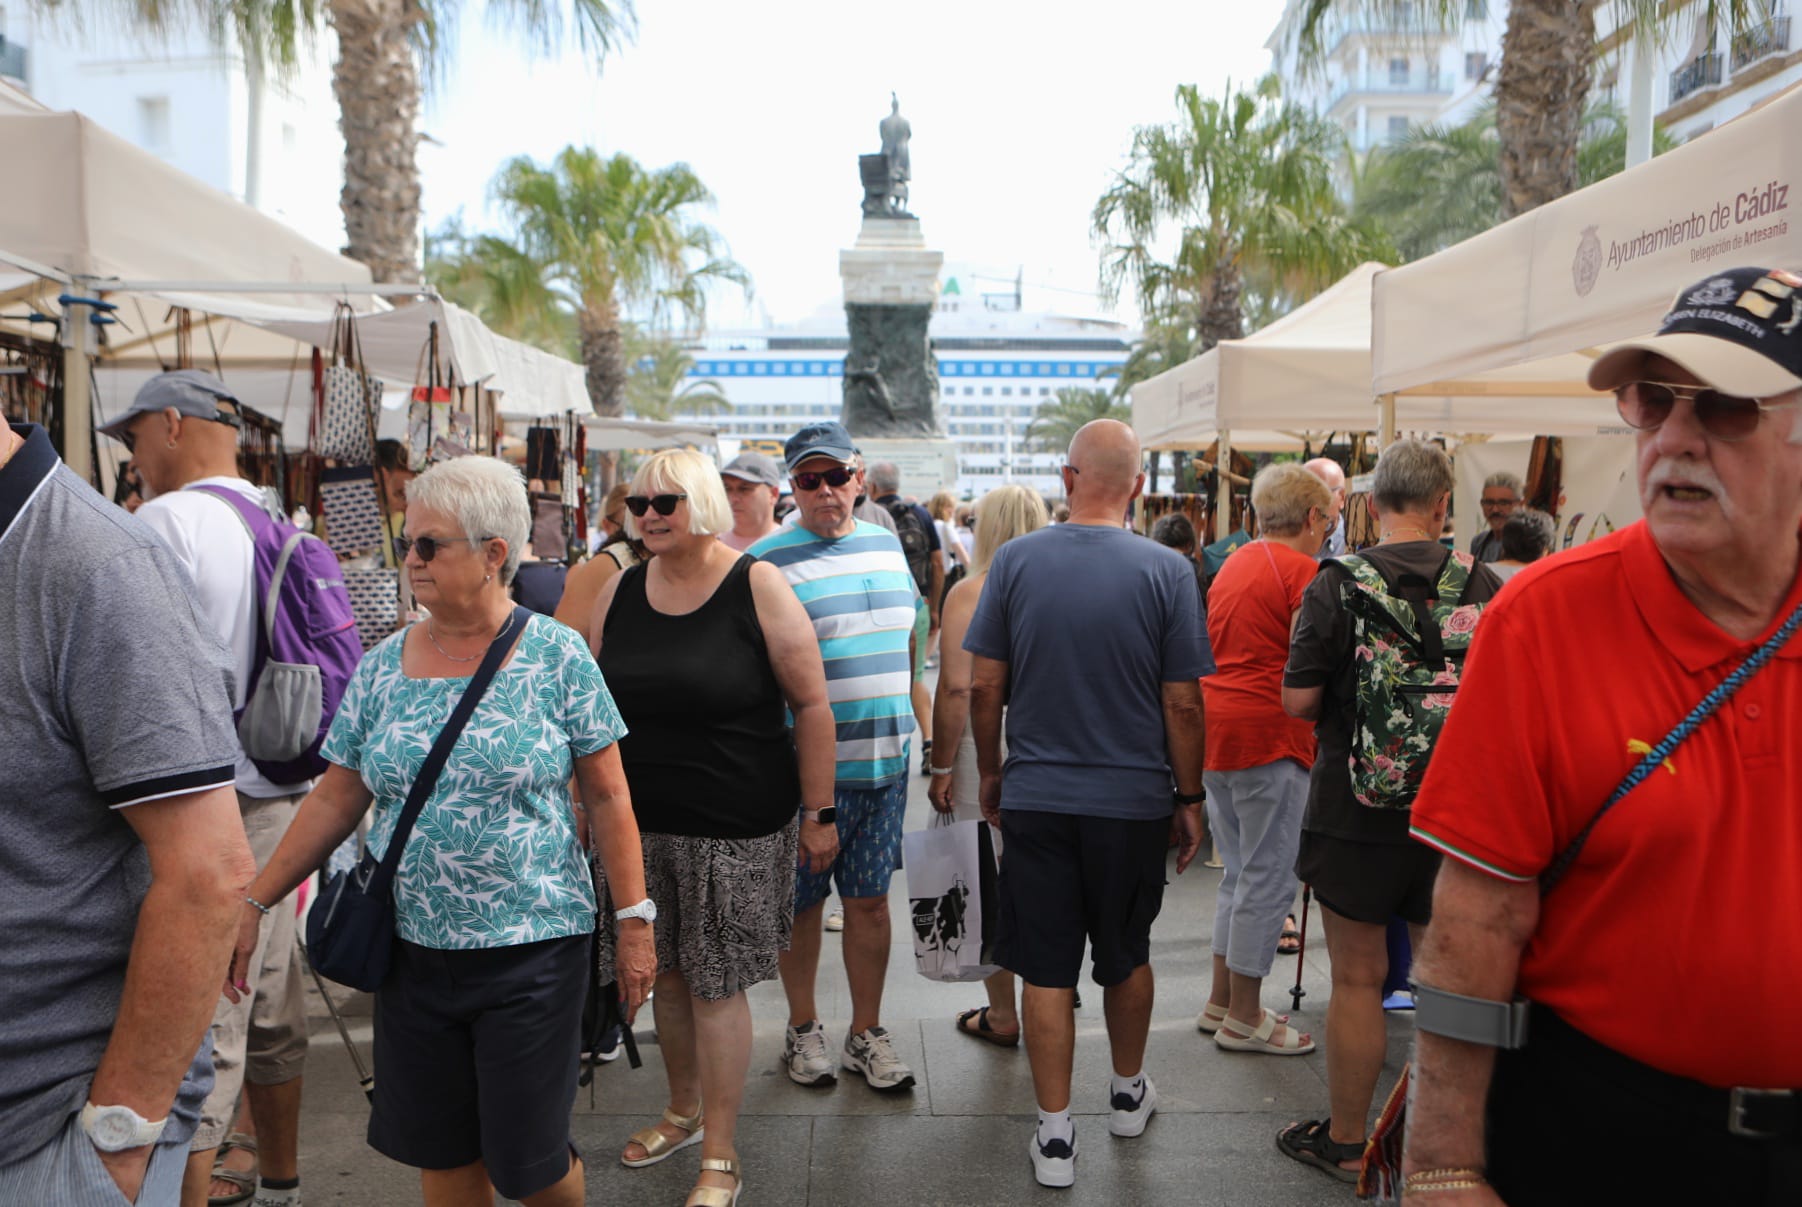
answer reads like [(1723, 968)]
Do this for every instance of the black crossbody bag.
[(350, 929)]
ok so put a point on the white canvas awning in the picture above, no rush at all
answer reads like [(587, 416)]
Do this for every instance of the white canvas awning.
[(634, 435), (1536, 298), (1310, 373)]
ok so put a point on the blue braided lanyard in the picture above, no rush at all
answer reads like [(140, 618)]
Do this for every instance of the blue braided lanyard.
[(1723, 692)]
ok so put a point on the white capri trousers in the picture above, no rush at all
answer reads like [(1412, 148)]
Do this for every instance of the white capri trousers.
[(1255, 815)]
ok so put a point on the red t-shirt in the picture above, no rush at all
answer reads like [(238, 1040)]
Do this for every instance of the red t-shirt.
[(1249, 610), (1676, 937)]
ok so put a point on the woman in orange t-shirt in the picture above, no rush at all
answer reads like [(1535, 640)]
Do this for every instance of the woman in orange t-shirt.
[(1258, 756)]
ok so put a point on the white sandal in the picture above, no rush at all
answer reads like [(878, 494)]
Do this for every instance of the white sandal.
[(1210, 1018), (1261, 1040)]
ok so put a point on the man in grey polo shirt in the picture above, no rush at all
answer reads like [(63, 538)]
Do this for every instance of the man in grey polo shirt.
[(123, 863)]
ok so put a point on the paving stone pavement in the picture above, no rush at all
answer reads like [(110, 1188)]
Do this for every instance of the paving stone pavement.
[(960, 1137)]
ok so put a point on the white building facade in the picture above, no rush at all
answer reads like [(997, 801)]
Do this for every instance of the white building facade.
[(1703, 75), (996, 364), (270, 141)]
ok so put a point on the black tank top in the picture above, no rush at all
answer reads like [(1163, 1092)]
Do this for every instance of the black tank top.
[(708, 752)]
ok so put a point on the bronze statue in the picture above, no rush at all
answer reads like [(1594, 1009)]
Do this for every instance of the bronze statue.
[(885, 174)]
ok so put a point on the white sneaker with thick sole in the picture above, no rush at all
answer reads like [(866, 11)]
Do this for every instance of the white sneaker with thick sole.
[(835, 920), (1127, 1116), (807, 1055), (873, 1054), (1053, 1163)]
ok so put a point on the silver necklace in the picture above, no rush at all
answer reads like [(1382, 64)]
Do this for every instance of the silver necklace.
[(433, 638)]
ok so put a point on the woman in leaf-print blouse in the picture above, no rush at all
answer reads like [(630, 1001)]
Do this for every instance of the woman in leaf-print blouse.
[(477, 1027)]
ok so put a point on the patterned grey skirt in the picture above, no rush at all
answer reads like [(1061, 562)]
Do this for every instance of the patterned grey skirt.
[(725, 908)]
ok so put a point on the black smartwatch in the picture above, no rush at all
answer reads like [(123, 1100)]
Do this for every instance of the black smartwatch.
[(1185, 799), (826, 816)]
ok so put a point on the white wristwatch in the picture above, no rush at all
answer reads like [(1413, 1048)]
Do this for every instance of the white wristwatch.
[(646, 909), (113, 1129)]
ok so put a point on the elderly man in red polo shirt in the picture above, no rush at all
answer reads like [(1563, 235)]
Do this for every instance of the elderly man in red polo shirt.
[(1596, 1027)]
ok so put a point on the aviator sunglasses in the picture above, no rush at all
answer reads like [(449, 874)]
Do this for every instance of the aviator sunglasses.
[(428, 546), (811, 480), (662, 504), (1647, 404)]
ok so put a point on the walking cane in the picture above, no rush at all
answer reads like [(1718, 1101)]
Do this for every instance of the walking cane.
[(365, 1078), (1301, 951)]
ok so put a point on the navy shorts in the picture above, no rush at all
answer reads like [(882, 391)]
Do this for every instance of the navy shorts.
[(1067, 881), (869, 845), (476, 1057)]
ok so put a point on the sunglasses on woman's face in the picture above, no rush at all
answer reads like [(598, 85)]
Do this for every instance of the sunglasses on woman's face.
[(428, 546), (811, 480), (661, 504), (1647, 404)]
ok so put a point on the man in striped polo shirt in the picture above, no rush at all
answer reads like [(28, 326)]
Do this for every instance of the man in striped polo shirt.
[(853, 579)]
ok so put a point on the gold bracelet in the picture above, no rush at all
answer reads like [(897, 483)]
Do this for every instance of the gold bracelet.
[(1462, 1178)]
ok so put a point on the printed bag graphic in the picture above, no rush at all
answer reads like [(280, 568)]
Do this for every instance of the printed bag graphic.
[(375, 601), (951, 884), (351, 397), (353, 510), (1409, 640)]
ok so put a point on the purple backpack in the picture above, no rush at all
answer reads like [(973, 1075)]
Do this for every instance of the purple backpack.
[(307, 645)]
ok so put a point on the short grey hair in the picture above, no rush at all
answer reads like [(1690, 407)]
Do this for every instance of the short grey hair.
[(487, 498), (1283, 494), (683, 471), (885, 479), (1502, 478), (1411, 476)]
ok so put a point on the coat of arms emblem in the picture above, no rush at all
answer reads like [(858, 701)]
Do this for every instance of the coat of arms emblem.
[(1587, 266)]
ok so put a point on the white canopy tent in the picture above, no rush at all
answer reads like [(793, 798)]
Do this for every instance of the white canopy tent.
[(1535, 300), (610, 435), (1309, 374)]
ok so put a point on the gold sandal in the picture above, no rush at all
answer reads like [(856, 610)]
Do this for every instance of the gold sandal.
[(657, 1146), (714, 1196)]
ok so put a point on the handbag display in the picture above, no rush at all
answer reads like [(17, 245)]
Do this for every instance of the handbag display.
[(952, 885), (351, 503), (350, 929), (349, 398), (374, 601)]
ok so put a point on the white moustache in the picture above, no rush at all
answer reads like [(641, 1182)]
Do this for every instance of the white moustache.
[(1693, 475)]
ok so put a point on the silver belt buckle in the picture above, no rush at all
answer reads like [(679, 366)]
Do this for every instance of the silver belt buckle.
[(1737, 1099)]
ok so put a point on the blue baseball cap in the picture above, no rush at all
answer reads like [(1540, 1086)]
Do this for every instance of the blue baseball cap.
[(827, 439), (191, 392)]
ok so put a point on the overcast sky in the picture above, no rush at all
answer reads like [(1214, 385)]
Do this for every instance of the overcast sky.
[(1021, 113)]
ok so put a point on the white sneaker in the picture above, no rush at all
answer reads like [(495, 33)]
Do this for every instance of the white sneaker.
[(872, 1053), (1128, 1116), (835, 920), (808, 1058), (1053, 1164)]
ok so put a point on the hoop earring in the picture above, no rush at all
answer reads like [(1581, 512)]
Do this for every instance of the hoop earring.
[(168, 444)]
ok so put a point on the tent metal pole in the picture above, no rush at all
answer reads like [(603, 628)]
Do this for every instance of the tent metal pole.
[(1386, 422), (78, 403), (1223, 488), (297, 287)]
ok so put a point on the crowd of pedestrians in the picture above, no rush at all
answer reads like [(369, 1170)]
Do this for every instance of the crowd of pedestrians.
[(732, 702)]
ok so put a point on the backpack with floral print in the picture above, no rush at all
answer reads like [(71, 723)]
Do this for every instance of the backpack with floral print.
[(1409, 639)]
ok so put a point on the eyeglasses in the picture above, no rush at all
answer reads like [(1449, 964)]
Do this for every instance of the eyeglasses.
[(1488, 504), (810, 481), (1647, 404), (427, 546), (662, 504), (1071, 468)]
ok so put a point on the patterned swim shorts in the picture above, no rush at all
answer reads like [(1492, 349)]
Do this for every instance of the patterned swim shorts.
[(869, 845)]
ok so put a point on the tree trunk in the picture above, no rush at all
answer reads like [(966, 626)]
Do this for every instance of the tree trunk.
[(1221, 315), (604, 356), (1548, 53), (376, 83)]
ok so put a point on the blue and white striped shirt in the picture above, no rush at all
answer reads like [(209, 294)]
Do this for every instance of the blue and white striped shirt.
[(860, 596)]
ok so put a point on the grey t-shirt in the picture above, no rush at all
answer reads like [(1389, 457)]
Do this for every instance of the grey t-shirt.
[(1092, 622), (116, 692)]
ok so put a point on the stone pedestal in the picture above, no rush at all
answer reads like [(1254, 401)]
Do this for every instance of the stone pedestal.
[(891, 378), (928, 464)]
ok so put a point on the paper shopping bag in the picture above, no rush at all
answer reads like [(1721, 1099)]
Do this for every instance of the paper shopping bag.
[(951, 884)]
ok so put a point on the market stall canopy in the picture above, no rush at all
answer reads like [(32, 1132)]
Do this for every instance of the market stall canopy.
[(16, 100), (1539, 296), (606, 434), (84, 204), (1309, 373)]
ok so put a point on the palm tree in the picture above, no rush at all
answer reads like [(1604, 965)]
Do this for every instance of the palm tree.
[(1548, 61), (611, 238), (501, 285), (1243, 189), (1058, 419), (658, 386), (388, 52), (1439, 185)]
